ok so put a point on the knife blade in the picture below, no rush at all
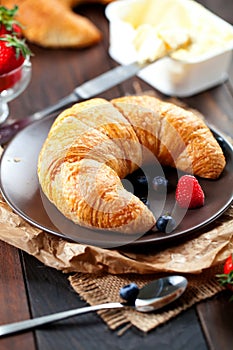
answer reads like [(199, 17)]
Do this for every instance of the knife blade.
[(85, 91)]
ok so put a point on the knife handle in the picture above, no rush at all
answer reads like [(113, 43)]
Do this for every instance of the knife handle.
[(87, 90), (8, 131)]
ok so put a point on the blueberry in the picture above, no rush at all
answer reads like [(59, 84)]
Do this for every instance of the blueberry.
[(129, 293), (141, 180), (166, 223), (221, 143), (139, 183), (145, 201), (159, 184)]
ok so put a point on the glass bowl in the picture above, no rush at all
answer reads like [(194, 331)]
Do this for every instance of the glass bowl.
[(13, 84)]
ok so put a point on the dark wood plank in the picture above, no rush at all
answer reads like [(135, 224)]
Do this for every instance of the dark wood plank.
[(13, 298), (216, 105), (216, 318), (49, 291), (220, 8)]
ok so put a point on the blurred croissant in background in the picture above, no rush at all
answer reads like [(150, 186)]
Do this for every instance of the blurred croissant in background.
[(54, 24)]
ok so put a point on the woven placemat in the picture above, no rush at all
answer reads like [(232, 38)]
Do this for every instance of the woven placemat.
[(103, 288)]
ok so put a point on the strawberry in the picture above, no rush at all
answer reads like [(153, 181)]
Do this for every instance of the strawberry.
[(8, 24), (226, 279), (13, 52), (189, 193)]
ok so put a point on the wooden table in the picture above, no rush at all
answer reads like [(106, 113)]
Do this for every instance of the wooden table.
[(29, 289)]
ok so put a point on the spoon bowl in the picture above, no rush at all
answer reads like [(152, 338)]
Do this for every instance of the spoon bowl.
[(151, 297), (160, 292)]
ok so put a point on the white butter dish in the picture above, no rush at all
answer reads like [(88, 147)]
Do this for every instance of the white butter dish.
[(204, 66)]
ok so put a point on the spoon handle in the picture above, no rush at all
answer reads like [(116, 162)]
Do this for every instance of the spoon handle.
[(20, 326)]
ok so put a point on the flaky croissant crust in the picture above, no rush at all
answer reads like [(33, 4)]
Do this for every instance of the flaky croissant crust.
[(94, 144), (54, 24)]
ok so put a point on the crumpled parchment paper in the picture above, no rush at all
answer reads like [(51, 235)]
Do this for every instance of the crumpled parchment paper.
[(209, 248)]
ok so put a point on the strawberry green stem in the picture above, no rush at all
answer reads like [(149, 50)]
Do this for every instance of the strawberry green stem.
[(7, 17), (19, 45)]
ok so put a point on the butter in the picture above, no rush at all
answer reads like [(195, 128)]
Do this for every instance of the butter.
[(159, 24), (151, 43)]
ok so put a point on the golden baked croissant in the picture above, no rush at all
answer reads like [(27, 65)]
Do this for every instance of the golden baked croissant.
[(53, 23), (94, 144)]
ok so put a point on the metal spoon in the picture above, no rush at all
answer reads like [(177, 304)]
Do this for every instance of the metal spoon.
[(152, 296)]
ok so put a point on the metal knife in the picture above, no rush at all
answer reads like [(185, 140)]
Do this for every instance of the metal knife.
[(85, 91)]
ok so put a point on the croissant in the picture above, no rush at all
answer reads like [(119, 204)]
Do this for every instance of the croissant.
[(94, 144), (53, 23)]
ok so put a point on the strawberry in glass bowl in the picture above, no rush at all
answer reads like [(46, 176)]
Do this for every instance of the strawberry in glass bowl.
[(15, 66), (8, 22)]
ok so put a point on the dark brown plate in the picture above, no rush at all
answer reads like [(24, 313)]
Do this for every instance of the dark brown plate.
[(21, 190)]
